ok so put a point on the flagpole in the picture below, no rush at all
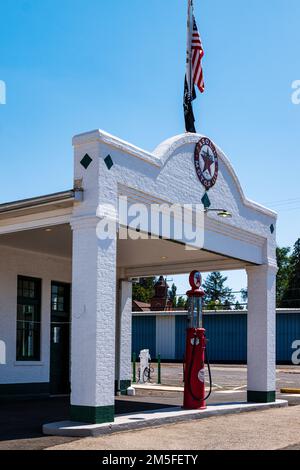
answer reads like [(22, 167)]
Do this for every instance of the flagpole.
[(189, 94), (189, 46)]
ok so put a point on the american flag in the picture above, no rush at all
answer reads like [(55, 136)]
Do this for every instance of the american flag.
[(197, 54), (194, 71)]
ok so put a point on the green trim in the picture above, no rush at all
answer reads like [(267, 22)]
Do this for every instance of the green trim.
[(86, 161), (124, 384), (261, 397), (108, 162), (93, 414), (24, 390), (206, 201)]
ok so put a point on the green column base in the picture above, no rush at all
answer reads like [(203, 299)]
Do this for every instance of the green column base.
[(124, 384), (261, 397), (93, 414)]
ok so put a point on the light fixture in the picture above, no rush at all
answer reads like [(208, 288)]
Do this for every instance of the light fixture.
[(48, 230), (224, 214), (163, 257), (221, 212)]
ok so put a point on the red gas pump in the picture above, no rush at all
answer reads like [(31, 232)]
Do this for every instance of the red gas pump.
[(194, 372)]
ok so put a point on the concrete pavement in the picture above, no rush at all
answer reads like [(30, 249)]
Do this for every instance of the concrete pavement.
[(265, 430)]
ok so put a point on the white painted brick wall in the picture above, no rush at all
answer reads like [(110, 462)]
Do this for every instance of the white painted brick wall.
[(94, 288), (126, 330), (93, 319), (261, 352), (14, 262)]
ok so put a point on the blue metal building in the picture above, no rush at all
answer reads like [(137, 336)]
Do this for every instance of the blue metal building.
[(164, 333)]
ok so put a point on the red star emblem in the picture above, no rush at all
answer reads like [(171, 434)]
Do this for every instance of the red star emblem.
[(208, 161)]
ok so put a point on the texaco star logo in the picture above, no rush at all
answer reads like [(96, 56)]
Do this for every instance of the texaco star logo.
[(206, 162)]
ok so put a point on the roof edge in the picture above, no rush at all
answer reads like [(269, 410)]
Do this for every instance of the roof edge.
[(37, 201)]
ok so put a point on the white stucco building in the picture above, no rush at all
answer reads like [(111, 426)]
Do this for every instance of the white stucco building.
[(58, 277)]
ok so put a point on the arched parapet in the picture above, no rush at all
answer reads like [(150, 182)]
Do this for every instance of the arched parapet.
[(162, 153)]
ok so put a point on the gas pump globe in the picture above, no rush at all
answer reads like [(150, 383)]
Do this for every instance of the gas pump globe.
[(194, 372), (195, 302)]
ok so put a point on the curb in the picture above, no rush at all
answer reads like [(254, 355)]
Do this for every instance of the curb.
[(158, 388), (293, 391), (152, 419)]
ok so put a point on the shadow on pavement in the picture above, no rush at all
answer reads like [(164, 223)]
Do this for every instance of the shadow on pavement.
[(23, 419)]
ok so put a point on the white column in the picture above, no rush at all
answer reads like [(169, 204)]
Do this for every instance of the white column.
[(93, 324), (261, 333), (124, 337)]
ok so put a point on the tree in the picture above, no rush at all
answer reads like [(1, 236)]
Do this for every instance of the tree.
[(283, 274), (213, 305), (291, 296), (227, 304), (238, 306), (143, 290), (177, 302), (244, 294), (217, 295), (172, 295), (181, 303)]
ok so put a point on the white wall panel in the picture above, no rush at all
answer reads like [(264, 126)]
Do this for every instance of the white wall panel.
[(165, 336)]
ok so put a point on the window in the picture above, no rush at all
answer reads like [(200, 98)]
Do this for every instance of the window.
[(59, 298), (28, 319)]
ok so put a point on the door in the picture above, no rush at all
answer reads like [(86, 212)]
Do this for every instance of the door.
[(60, 339)]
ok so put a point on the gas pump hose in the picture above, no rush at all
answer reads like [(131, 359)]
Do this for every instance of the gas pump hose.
[(209, 375)]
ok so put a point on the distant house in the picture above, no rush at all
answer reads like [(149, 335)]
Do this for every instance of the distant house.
[(159, 302), (138, 306)]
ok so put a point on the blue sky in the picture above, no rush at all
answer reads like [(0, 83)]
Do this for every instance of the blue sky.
[(76, 65)]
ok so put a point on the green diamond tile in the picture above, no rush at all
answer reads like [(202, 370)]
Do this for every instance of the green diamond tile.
[(108, 162), (86, 161), (205, 201), (272, 229)]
